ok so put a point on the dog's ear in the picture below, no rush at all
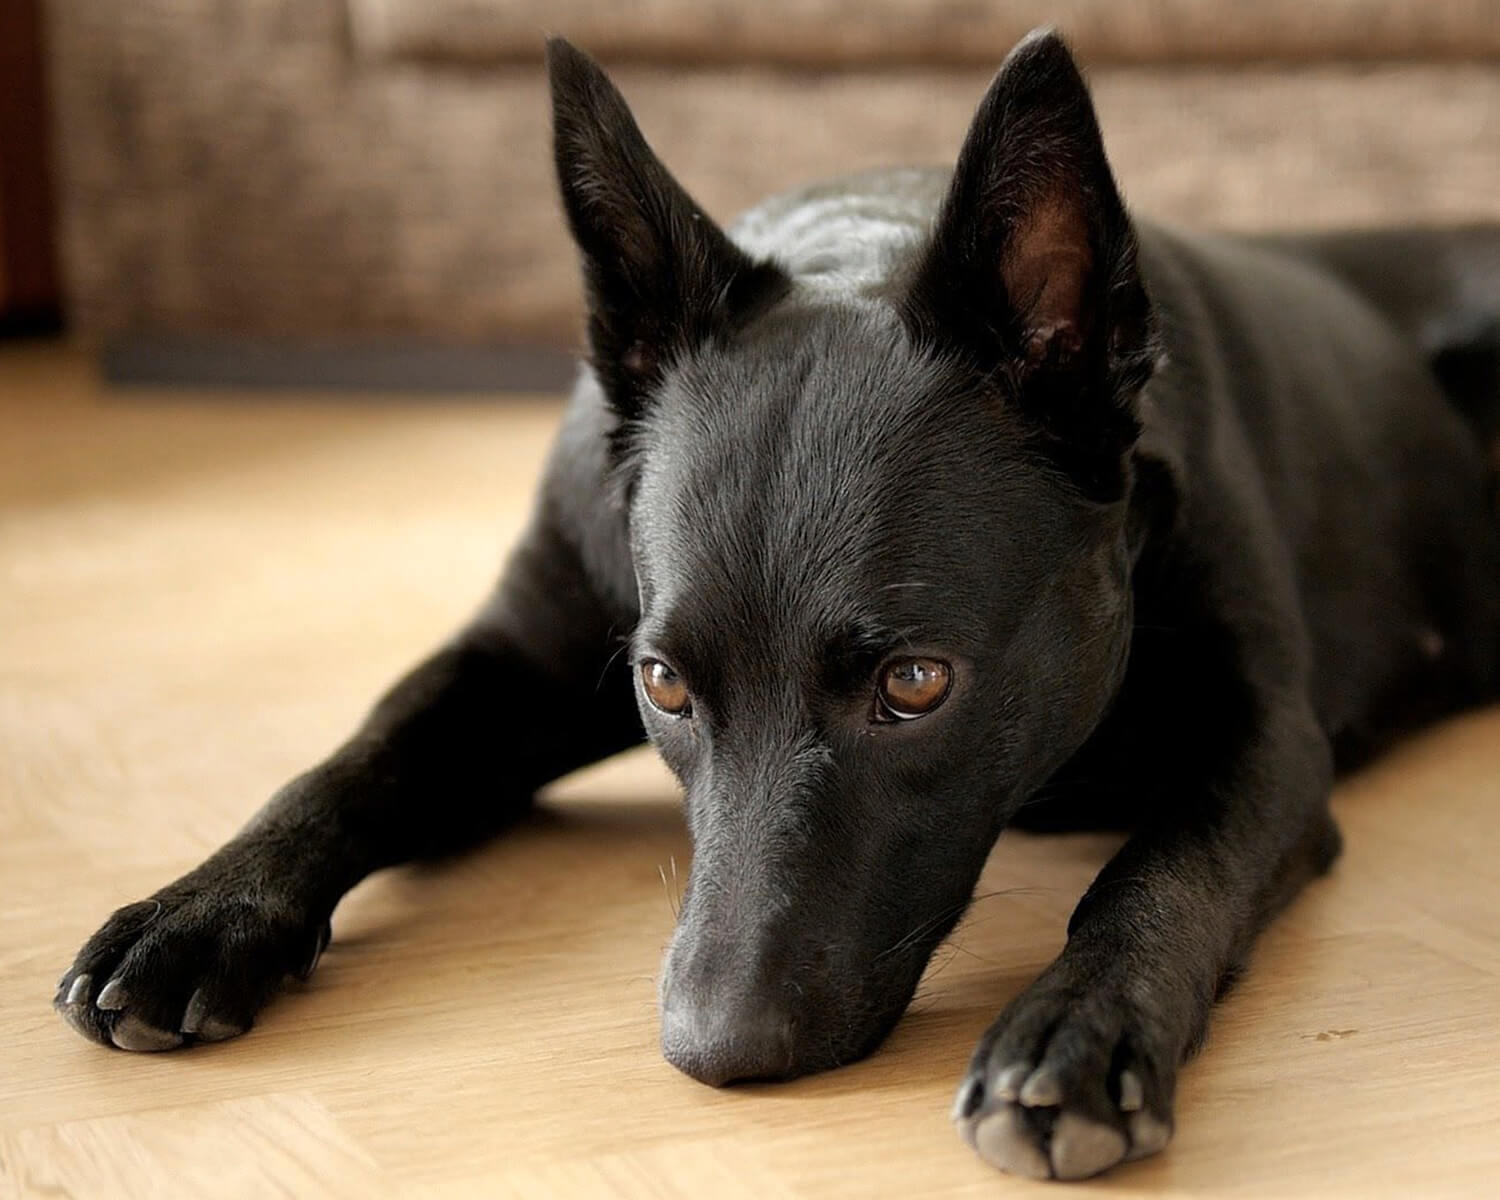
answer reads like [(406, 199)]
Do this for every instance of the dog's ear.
[(1031, 272), (660, 275)]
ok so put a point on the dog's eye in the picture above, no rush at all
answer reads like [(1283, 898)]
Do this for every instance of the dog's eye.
[(665, 688), (912, 687)]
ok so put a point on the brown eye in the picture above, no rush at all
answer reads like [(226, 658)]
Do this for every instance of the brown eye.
[(913, 687), (665, 688)]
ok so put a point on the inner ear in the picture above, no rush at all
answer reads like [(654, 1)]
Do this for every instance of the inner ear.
[(1032, 258), (1047, 277), (1031, 274)]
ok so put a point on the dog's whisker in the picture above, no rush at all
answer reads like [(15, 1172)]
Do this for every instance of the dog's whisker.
[(676, 884), (933, 922), (934, 971), (667, 890), (959, 948), (610, 662), (921, 930), (1020, 889)]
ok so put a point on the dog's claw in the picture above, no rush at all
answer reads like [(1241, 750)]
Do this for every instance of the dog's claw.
[(1003, 1141), (1081, 1147), (132, 1033), (112, 996), (1007, 1085), (319, 945), (204, 1025), (1042, 1090), (79, 991), (970, 1097), (1132, 1093), (195, 1013)]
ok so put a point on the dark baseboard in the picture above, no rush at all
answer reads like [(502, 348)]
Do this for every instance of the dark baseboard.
[(39, 321), (343, 366)]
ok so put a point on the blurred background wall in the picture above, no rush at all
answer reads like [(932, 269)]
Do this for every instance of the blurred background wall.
[(304, 169)]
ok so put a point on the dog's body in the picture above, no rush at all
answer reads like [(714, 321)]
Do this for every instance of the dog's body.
[(935, 502)]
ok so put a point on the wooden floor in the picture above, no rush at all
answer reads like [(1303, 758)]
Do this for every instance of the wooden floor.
[(198, 596)]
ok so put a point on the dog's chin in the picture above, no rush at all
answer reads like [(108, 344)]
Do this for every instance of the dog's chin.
[(872, 1040)]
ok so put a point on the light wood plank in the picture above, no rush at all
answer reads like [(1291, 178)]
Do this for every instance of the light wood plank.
[(198, 596)]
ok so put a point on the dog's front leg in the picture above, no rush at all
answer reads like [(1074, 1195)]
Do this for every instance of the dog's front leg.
[(533, 688), (1079, 1071)]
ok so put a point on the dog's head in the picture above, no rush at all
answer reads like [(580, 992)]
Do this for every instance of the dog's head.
[(880, 544)]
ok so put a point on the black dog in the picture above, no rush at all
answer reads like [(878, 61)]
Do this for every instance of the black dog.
[(936, 503)]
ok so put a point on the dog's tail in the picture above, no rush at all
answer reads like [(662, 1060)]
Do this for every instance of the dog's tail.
[(1442, 288)]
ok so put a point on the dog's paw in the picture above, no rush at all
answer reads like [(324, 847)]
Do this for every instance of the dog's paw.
[(1065, 1085), (192, 964)]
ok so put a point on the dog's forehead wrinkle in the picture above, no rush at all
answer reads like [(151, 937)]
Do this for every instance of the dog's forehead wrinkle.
[(788, 456)]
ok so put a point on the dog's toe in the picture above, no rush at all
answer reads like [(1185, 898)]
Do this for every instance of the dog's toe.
[(1081, 1147), (1148, 1135), (194, 964), (72, 1002), (130, 1032), (1066, 1085), (1003, 1140)]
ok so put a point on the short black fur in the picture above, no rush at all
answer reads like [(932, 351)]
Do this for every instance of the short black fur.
[(1182, 519)]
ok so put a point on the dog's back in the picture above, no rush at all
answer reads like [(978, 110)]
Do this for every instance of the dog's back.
[(1440, 287), (1310, 396)]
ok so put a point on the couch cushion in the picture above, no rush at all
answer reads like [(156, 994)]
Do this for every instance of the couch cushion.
[(813, 32), (286, 196)]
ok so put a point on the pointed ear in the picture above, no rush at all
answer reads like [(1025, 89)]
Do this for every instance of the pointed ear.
[(660, 276), (1031, 271)]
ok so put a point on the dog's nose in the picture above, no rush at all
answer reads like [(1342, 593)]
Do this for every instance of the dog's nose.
[(719, 1042)]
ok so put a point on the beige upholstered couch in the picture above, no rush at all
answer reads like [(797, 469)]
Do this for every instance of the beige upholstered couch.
[(329, 167)]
